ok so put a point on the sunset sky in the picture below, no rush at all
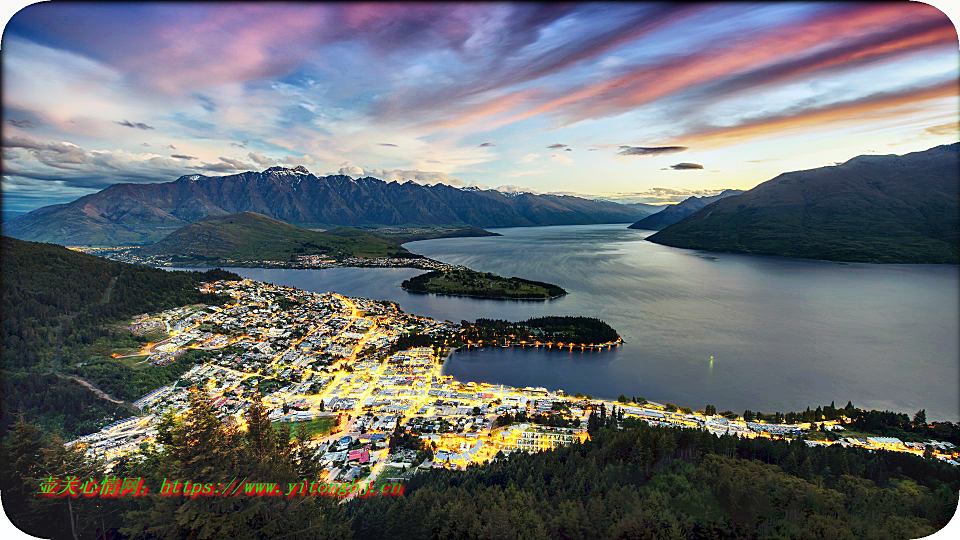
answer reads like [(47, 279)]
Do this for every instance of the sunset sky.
[(623, 101)]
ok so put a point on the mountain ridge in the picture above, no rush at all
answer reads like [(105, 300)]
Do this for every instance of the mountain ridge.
[(674, 213), (145, 213), (881, 209)]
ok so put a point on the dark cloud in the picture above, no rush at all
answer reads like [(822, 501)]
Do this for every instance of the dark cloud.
[(386, 144), (649, 150), (556, 146), (137, 125), (170, 147), (144, 144), (205, 102), (686, 166), (23, 123), (569, 150), (486, 144), (241, 144), (181, 156)]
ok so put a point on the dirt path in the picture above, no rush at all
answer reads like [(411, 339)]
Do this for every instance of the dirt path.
[(92, 388), (109, 291)]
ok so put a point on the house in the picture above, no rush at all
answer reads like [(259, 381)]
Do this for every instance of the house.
[(362, 456)]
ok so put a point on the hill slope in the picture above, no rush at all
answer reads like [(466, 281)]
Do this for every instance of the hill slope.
[(145, 213), (58, 305), (882, 209), (676, 212), (252, 236)]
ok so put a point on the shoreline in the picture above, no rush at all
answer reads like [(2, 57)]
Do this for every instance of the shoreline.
[(524, 299), (549, 346)]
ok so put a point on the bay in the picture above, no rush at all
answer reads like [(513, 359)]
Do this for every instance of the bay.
[(736, 331)]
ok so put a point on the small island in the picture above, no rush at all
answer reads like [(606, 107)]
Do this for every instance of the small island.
[(466, 282)]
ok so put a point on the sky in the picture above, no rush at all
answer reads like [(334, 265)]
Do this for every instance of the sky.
[(634, 102)]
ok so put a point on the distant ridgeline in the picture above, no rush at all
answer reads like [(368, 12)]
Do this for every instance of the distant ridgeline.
[(481, 285), (248, 236), (567, 330)]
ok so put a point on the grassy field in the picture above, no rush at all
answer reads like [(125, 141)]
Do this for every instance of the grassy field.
[(386, 475), (315, 428), (134, 362)]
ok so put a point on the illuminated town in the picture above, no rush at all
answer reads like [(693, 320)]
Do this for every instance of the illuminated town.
[(334, 363)]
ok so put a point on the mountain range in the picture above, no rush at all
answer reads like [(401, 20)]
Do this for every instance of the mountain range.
[(131, 213), (252, 236), (872, 208), (674, 213)]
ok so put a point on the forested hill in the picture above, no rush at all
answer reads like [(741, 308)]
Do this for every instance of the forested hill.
[(879, 209), (676, 212), (56, 304), (250, 236), (664, 483), (629, 481)]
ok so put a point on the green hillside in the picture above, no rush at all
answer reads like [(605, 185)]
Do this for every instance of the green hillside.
[(878, 209), (59, 313), (252, 236)]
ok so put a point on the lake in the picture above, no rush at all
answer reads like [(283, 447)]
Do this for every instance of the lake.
[(737, 331)]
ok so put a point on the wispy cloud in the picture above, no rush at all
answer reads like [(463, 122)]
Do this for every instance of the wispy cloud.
[(353, 83), (659, 195), (649, 150), (23, 123), (136, 125)]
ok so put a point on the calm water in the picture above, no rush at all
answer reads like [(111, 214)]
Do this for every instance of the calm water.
[(784, 334)]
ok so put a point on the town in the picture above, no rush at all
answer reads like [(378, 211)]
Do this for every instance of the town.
[(131, 254), (378, 411)]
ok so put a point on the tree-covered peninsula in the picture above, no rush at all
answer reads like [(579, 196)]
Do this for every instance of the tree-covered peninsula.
[(543, 330), (466, 282)]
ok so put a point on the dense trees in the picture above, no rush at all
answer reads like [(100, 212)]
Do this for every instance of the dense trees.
[(658, 482), (57, 305), (27, 457), (467, 282), (545, 329), (631, 480), (885, 423), (200, 448)]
